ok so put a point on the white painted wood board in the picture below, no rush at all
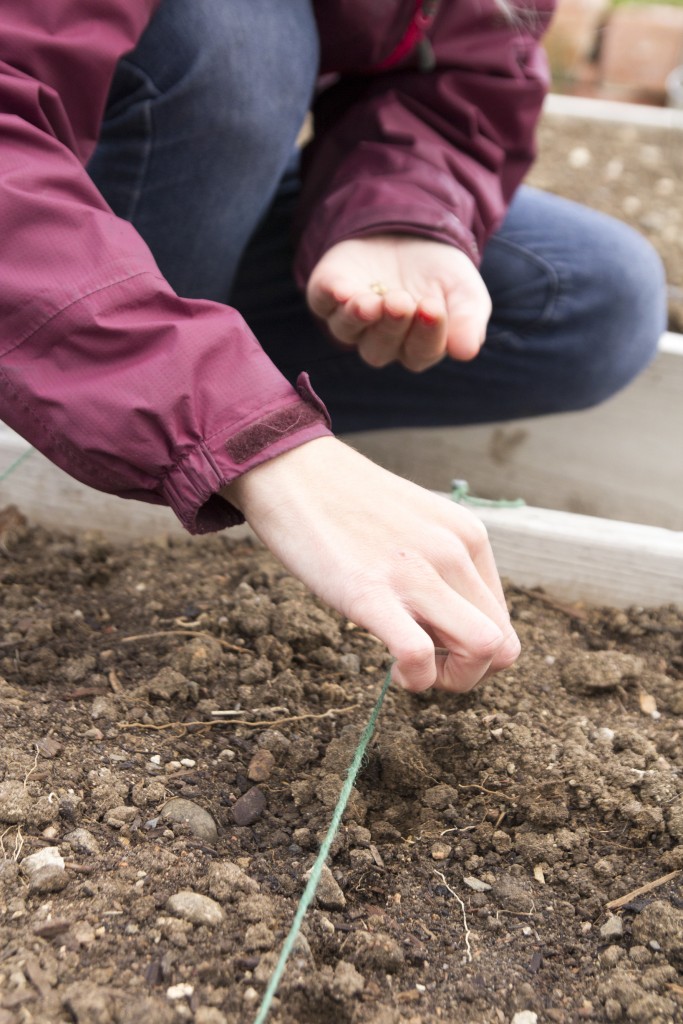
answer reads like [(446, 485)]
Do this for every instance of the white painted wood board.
[(614, 112), (586, 558), (574, 557), (622, 460)]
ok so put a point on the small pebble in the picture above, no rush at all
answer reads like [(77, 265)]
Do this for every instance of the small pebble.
[(45, 870), (579, 157), (198, 909), (93, 734), (613, 928), (476, 883), (182, 991), (525, 1017), (249, 807), (82, 841), (441, 851), (187, 762), (631, 206), (198, 820), (261, 766), (665, 187), (328, 894)]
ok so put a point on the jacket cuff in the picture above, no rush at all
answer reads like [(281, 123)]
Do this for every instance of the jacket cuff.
[(420, 218), (191, 488)]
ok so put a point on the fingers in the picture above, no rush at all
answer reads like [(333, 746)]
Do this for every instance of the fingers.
[(425, 343), (479, 640), (394, 328), (363, 312), (475, 644), (467, 316), (324, 294), (381, 343), (388, 328)]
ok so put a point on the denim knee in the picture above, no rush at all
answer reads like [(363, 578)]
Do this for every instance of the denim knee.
[(200, 125), (623, 318), (244, 71)]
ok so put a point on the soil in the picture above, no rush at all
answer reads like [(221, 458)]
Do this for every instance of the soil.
[(485, 839), (634, 173), (487, 835)]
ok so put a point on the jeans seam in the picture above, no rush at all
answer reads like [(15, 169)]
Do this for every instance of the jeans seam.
[(545, 316)]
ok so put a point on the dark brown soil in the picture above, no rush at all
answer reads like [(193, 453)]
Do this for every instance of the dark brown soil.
[(486, 837), (633, 173), (487, 834)]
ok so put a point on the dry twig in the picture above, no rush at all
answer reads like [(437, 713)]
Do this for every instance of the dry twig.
[(263, 723), (641, 890), (192, 633)]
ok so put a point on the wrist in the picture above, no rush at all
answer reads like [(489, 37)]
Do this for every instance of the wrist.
[(276, 480)]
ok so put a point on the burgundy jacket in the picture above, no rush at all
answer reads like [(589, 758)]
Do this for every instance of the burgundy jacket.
[(138, 392)]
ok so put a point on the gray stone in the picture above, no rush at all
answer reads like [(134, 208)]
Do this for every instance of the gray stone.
[(198, 820), (613, 928), (476, 883), (227, 881), (45, 870), (328, 894), (194, 907), (82, 841)]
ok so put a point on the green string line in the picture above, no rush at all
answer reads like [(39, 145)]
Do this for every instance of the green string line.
[(460, 492), (316, 870), (15, 465)]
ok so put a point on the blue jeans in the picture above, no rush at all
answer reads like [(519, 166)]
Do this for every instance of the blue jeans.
[(196, 150)]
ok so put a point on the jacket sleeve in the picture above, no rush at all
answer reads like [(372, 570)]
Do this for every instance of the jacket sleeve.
[(436, 153), (103, 368)]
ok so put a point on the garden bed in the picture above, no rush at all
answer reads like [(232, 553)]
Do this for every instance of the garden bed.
[(475, 874), (630, 168), (489, 866)]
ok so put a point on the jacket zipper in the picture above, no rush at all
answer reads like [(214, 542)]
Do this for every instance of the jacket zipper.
[(415, 38)]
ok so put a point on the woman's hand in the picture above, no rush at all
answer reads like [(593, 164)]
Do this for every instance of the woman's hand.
[(413, 568), (399, 298)]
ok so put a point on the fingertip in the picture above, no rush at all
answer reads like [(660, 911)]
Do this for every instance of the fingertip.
[(408, 683), (415, 665), (464, 352), (509, 651), (428, 319), (366, 307), (431, 312)]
